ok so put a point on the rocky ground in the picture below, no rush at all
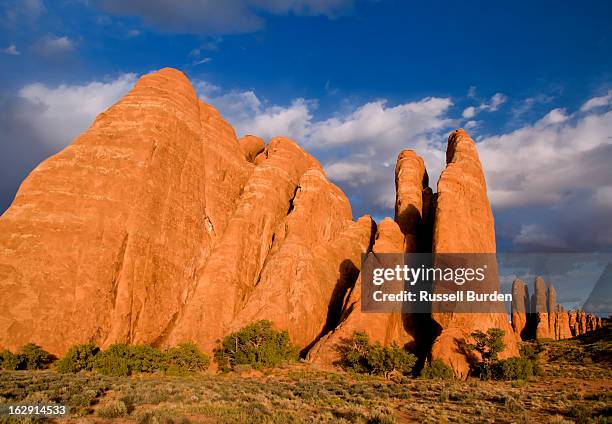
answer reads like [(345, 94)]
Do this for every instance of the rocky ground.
[(575, 386)]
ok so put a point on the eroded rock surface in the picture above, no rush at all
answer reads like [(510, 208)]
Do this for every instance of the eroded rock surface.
[(157, 225), (464, 224)]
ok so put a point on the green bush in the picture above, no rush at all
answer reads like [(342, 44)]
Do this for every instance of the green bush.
[(121, 359), (79, 357), (437, 370), (358, 355), (8, 360), (489, 345), (33, 357), (517, 368), (116, 360), (258, 345), (186, 358), (145, 358)]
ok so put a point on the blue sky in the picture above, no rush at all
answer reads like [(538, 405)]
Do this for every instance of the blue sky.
[(354, 82)]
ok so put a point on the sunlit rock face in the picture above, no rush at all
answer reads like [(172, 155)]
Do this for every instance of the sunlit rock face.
[(464, 224), (158, 225)]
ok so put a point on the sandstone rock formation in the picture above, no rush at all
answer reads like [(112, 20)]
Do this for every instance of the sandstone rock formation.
[(251, 146), (546, 319), (410, 232), (520, 307), (103, 239), (82, 260), (157, 225), (385, 328), (412, 197), (464, 224)]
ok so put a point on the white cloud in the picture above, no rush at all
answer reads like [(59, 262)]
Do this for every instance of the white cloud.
[(555, 116), (354, 174), (492, 105), (12, 50), (61, 113), (202, 61), (209, 17), (597, 102), (542, 163), (470, 125), (469, 112), (52, 45), (133, 33)]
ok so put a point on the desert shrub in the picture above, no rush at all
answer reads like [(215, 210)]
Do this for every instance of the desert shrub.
[(357, 354), (112, 409), (8, 360), (185, 358), (79, 357), (114, 361), (489, 345), (517, 368), (121, 359), (437, 370), (33, 357), (145, 358), (258, 345)]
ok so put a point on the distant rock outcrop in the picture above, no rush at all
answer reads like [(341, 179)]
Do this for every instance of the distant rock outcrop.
[(545, 319), (520, 307)]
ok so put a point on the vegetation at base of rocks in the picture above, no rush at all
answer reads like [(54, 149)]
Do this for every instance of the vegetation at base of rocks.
[(121, 359), (79, 357), (357, 354), (29, 357), (437, 370), (186, 358), (258, 345), (118, 360), (301, 392), (489, 345)]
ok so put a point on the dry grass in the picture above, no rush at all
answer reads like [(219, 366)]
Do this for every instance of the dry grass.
[(568, 391)]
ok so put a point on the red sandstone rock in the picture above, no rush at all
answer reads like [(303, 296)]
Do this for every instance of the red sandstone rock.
[(562, 329), (520, 309), (251, 146), (411, 185), (314, 261), (551, 302), (464, 224), (122, 210), (385, 328)]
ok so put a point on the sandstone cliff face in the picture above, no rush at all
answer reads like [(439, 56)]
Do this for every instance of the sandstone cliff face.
[(385, 328), (156, 224), (464, 224), (125, 205), (313, 262), (251, 146)]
